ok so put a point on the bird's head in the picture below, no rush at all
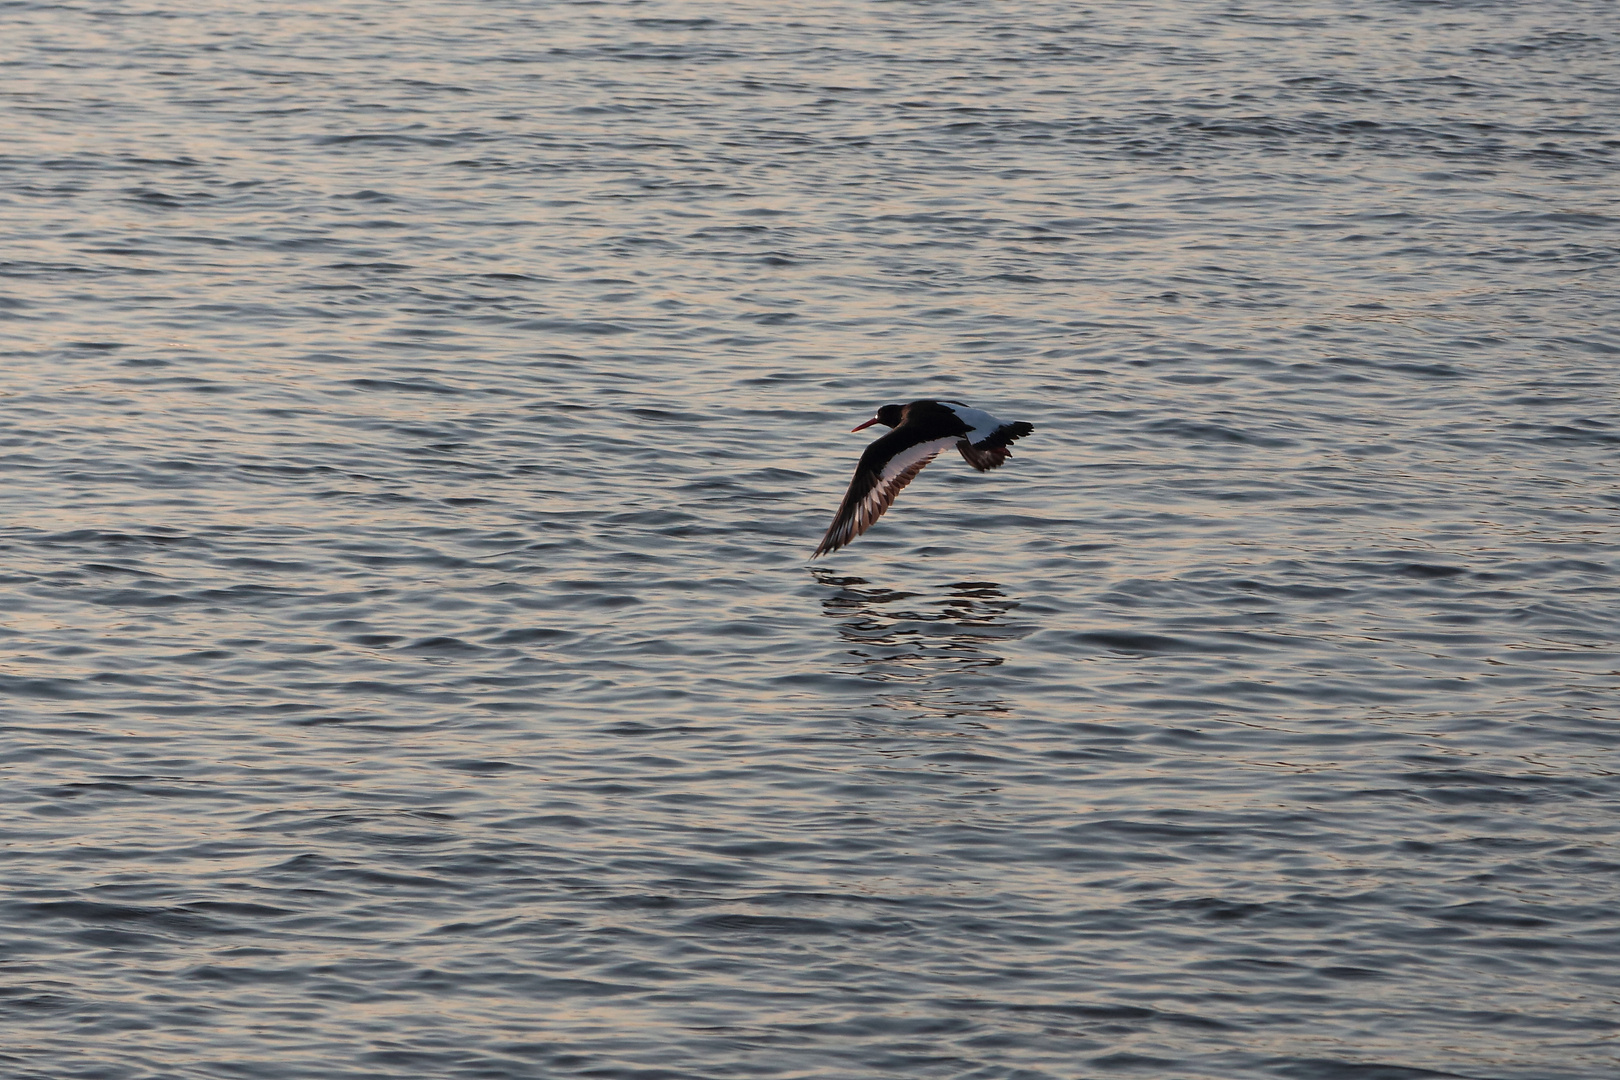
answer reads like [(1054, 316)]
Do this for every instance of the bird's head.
[(888, 416)]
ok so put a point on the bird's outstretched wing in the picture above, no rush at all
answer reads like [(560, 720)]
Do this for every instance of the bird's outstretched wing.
[(874, 487), (989, 452)]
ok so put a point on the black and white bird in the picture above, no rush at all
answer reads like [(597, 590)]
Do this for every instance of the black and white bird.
[(921, 431)]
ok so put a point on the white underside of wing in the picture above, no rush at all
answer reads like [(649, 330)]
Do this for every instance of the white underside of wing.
[(897, 472), (982, 423), (910, 456)]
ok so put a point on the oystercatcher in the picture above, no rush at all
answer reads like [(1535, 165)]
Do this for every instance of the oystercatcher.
[(921, 430)]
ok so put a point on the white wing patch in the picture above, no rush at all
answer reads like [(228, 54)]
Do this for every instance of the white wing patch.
[(983, 425), (918, 455)]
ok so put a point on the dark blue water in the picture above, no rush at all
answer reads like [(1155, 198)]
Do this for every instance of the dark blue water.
[(416, 418)]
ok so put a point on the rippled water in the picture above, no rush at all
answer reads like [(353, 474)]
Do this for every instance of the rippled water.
[(417, 417)]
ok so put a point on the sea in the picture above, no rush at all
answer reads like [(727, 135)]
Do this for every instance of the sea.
[(416, 419)]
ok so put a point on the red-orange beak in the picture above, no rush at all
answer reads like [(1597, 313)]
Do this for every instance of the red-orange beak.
[(868, 424)]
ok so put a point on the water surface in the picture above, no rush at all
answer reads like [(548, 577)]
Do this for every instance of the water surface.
[(417, 418)]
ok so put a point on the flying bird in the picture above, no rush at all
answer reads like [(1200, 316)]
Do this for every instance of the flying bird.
[(921, 431)]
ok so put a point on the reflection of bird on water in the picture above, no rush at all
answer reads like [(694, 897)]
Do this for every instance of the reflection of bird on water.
[(929, 647), (969, 605), (921, 431)]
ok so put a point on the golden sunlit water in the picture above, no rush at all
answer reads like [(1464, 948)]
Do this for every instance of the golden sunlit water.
[(417, 418)]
